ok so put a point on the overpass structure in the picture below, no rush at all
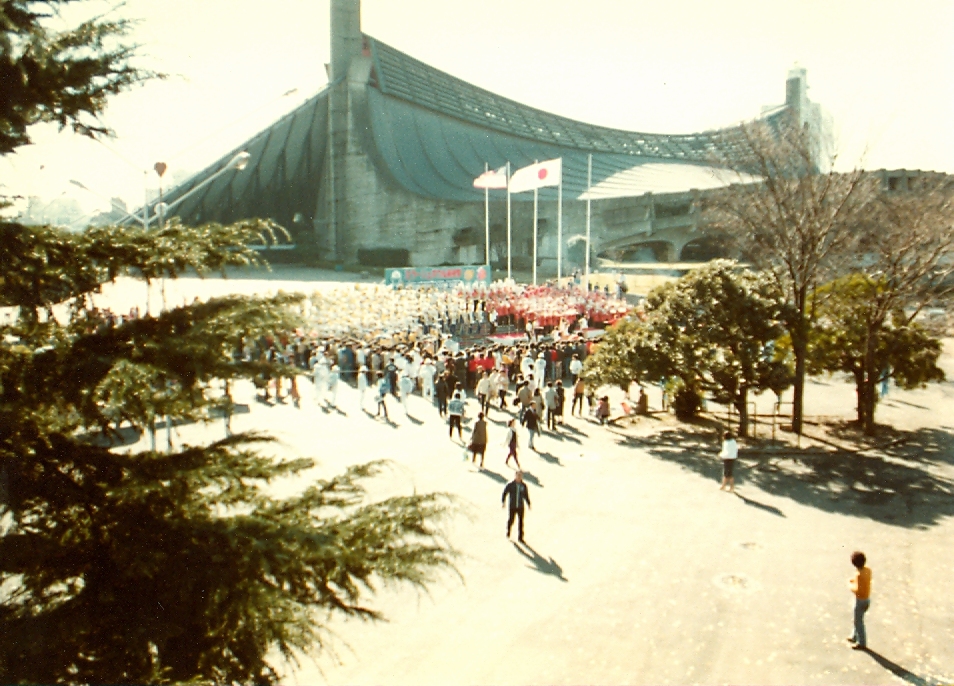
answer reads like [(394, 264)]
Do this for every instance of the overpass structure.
[(377, 168)]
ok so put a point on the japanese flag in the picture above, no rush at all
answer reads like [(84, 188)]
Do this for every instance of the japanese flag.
[(495, 178), (546, 173)]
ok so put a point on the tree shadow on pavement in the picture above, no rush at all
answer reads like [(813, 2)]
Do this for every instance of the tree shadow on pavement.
[(539, 563), (907, 484)]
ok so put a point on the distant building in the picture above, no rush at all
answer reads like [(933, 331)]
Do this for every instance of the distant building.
[(377, 169), (60, 211)]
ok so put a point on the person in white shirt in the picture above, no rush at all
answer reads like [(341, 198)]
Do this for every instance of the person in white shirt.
[(576, 366), (406, 383), (362, 385), (526, 365), (427, 374), (483, 392), (729, 453), (540, 370), (333, 376)]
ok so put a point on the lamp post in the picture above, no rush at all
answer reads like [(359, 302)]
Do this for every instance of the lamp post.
[(237, 163)]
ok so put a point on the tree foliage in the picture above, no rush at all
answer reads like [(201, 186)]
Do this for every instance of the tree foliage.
[(850, 336), (795, 221), (714, 330), (125, 565), (59, 76)]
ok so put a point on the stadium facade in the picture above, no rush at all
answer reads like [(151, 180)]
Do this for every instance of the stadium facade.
[(378, 169)]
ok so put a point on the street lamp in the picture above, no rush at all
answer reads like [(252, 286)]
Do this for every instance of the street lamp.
[(237, 163)]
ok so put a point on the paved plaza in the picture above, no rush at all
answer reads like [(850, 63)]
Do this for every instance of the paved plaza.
[(636, 568)]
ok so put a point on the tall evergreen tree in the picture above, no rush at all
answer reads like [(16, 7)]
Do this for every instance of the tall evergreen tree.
[(138, 566)]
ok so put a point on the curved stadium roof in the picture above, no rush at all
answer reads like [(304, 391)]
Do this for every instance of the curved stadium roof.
[(432, 133)]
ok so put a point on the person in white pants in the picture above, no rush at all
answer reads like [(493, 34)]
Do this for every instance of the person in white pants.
[(333, 378), (362, 385), (406, 384)]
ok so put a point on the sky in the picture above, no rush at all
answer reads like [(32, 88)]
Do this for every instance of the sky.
[(884, 71)]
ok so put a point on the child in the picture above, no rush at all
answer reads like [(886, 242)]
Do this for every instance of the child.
[(729, 453), (860, 585)]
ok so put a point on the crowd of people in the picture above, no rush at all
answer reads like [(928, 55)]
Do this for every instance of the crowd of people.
[(381, 312), (504, 348), (393, 344)]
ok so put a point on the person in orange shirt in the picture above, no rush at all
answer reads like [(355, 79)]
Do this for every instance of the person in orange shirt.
[(860, 585)]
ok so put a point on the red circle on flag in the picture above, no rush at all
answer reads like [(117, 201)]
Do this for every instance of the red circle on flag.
[(542, 174)]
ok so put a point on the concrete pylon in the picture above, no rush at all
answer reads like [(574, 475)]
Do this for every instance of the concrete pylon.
[(346, 45)]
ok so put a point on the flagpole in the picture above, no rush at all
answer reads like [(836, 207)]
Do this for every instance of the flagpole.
[(560, 226), (589, 185), (508, 220), (486, 220), (536, 192)]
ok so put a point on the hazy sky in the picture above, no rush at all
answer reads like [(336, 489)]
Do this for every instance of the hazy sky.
[(883, 70)]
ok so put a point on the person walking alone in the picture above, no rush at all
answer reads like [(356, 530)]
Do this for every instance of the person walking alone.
[(550, 404), (531, 420), (860, 585), (517, 491), (362, 385), (381, 395), (406, 383), (333, 377), (579, 391), (728, 454), (478, 440), (442, 392), (455, 410), (511, 443)]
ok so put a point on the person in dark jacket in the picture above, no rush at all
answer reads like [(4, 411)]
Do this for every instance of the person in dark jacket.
[(531, 420), (441, 391), (560, 401), (478, 439), (518, 494)]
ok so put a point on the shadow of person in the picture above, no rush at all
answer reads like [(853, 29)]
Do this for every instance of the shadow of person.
[(897, 669), (499, 478), (531, 479), (339, 410), (761, 506), (539, 563), (414, 420), (550, 459), (558, 436)]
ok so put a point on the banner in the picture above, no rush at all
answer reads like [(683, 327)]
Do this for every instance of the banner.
[(446, 276)]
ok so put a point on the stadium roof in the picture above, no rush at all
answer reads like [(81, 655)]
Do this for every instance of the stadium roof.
[(433, 133)]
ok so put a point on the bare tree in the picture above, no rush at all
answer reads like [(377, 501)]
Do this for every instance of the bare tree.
[(788, 217), (905, 256)]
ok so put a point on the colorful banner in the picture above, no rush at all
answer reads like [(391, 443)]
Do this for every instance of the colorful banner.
[(446, 276)]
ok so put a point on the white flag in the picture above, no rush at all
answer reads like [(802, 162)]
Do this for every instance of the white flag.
[(495, 178), (546, 173)]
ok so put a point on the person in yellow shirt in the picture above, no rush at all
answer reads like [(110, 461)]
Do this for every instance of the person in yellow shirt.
[(860, 585)]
